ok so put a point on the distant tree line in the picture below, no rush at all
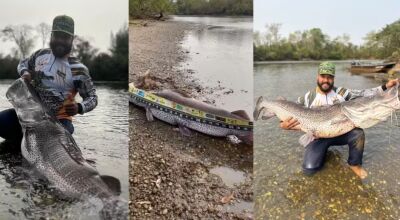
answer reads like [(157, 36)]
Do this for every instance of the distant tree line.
[(150, 8), (160, 8), (112, 66), (313, 44), (214, 7)]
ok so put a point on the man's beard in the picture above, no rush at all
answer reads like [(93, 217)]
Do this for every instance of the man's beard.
[(59, 49), (327, 89)]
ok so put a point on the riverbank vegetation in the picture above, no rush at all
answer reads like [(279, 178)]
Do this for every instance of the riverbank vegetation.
[(104, 66), (313, 44), (158, 9)]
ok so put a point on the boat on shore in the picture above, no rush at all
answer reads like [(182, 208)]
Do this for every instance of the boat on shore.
[(358, 68)]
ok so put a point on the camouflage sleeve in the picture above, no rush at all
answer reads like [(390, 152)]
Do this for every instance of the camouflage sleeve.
[(27, 64), (84, 85), (354, 93)]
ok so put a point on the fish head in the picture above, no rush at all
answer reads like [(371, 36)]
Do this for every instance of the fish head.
[(26, 102), (266, 114)]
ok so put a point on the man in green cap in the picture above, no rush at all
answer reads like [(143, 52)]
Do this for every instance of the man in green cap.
[(57, 78), (326, 94)]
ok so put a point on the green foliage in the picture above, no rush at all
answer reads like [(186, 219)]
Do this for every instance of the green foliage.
[(214, 7), (150, 8), (314, 44), (310, 44), (385, 43)]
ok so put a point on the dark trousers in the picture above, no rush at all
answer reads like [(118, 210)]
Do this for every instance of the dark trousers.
[(10, 129), (315, 153)]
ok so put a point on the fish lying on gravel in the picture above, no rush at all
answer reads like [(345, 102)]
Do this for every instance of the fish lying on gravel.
[(188, 113)]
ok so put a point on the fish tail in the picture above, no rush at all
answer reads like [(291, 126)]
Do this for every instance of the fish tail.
[(258, 108)]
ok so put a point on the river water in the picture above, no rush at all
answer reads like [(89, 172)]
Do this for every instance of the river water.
[(220, 54), (281, 189), (102, 135), (220, 59)]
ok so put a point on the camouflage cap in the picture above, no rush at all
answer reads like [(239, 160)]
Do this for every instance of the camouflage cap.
[(326, 68), (64, 24)]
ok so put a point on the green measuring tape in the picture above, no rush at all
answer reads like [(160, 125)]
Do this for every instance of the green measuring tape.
[(183, 111)]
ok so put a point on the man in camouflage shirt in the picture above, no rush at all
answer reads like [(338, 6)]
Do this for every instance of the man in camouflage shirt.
[(57, 77)]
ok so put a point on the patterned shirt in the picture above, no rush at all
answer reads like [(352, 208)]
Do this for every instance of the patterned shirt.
[(58, 80), (318, 98)]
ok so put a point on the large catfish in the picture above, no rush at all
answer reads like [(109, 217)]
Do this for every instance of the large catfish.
[(335, 120), (52, 152)]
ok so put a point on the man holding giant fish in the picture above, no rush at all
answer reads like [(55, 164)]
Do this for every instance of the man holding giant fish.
[(58, 77), (339, 124)]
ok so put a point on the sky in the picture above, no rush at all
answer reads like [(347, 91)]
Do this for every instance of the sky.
[(355, 18), (94, 19)]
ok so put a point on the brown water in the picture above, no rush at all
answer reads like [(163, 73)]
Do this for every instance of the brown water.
[(101, 134), (229, 176), (281, 189)]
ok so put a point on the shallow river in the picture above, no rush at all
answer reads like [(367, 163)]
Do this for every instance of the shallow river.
[(221, 57), (102, 135), (283, 192)]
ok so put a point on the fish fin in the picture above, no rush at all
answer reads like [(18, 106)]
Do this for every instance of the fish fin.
[(281, 98), (339, 121), (149, 115), (185, 131), (233, 139), (113, 184), (241, 113), (307, 138)]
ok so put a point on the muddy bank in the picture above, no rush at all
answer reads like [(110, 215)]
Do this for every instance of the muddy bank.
[(155, 50), (171, 174)]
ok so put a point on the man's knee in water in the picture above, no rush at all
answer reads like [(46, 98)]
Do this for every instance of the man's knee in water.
[(314, 156), (358, 138), (309, 170), (358, 133)]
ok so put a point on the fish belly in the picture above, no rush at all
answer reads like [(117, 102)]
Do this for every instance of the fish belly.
[(330, 128), (177, 119)]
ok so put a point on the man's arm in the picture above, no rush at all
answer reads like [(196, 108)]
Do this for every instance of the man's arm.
[(292, 123), (26, 66), (84, 86), (354, 93)]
